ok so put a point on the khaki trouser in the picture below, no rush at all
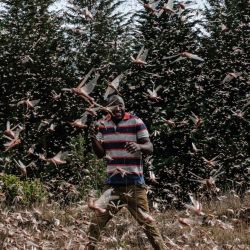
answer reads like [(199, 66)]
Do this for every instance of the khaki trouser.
[(135, 197)]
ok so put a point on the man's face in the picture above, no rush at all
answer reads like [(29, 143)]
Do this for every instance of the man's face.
[(118, 110)]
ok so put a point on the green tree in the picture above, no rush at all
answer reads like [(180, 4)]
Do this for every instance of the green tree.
[(164, 36), (32, 66), (227, 88), (42, 53), (97, 30)]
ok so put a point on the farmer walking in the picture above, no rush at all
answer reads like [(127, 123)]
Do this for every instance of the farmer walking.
[(122, 139)]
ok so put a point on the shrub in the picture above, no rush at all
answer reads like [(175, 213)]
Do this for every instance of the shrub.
[(90, 170), (71, 182), (22, 192)]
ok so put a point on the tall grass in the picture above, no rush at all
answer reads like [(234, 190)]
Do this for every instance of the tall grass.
[(225, 224)]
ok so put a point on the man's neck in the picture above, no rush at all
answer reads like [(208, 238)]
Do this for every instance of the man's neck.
[(116, 121)]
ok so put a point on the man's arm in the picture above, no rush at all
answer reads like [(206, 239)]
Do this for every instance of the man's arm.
[(96, 144), (144, 145)]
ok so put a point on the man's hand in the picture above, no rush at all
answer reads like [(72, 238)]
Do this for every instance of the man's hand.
[(93, 130), (96, 144), (132, 147), (144, 146)]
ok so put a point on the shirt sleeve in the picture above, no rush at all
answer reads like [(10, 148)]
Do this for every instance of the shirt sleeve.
[(141, 129)]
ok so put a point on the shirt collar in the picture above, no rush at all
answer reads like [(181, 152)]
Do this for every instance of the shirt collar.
[(125, 117)]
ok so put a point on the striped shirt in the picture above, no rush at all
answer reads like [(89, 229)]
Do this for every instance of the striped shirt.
[(122, 167)]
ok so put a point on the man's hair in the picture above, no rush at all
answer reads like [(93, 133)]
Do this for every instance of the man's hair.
[(114, 98)]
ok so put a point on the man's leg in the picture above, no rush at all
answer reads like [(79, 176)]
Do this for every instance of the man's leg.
[(138, 207), (99, 221)]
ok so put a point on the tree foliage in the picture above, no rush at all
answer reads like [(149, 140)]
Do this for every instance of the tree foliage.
[(192, 91)]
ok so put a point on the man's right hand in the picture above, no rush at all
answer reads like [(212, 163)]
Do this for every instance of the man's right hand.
[(96, 144), (93, 129)]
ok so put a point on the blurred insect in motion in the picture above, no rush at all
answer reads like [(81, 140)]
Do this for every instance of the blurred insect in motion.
[(120, 171), (196, 120), (24, 167), (30, 104), (80, 123), (169, 122), (83, 90), (113, 87), (87, 14), (101, 204), (58, 159), (55, 96), (10, 131), (12, 141), (151, 6), (210, 182), (152, 177), (147, 217), (141, 57), (212, 162), (152, 94), (230, 76), (184, 55), (167, 7), (195, 207)]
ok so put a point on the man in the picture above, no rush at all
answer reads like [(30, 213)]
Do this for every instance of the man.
[(122, 138)]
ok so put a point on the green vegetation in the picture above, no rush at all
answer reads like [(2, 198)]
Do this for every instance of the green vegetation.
[(15, 191), (198, 119)]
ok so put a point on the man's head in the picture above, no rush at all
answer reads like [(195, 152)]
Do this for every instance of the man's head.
[(119, 107)]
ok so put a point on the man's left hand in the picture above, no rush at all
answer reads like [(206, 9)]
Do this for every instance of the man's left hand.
[(132, 147)]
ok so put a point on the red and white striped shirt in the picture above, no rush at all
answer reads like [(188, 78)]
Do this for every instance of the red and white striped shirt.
[(123, 167)]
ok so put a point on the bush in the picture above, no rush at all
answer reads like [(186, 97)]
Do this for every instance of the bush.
[(91, 171), (21, 192), (83, 172)]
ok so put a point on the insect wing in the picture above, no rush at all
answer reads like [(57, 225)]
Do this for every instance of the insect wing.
[(158, 87), (155, 4), (89, 87), (85, 78), (195, 57), (169, 57), (140, 52), (117, 80), (108, 92), (151, 93), (178, 59), (170, 4), (144, 55), (35, 102)]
